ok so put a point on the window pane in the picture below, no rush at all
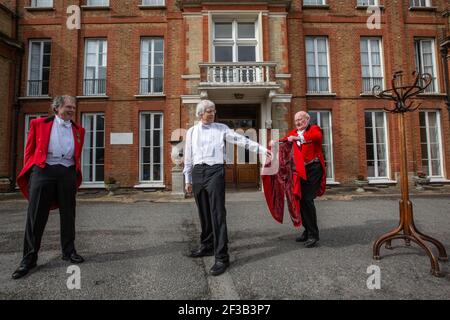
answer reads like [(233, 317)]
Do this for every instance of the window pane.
[(146, 172), (99, 173), (246, 53), (224, 54), (246, 30), (146, 155), (223, 30), (157, 138), (158, 44), (157, 122), (157, 155), (100, 156), (157, 172)]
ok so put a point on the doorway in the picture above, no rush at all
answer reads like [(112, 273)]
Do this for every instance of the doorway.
[(243, 172)]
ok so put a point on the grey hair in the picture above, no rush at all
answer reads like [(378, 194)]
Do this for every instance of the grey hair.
[(203, 105), (58, 101), (303, 113)]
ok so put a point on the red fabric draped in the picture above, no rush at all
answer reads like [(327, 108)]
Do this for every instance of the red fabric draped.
[(284, 182)]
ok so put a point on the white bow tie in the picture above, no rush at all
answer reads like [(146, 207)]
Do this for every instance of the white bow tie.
[(61, 122)]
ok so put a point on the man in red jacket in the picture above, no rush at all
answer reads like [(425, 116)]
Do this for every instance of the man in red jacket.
[(308, 140), (50, 178)]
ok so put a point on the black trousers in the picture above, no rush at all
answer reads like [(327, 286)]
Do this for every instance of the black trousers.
[(310, 187), (208, 184), (48, 185)]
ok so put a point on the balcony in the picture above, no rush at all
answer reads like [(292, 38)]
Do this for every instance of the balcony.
[(94, 87), (37, 88), (237, 74), (237, 80), (370, 82), (151, 86)]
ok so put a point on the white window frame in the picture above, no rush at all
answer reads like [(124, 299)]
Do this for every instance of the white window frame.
[(94, 147), (92, 3), (368, 3), (235, 42), (418, 4), (441, 155), (36, 4), (316, 65), (152, 67), (417, 56), (314, 2), (141, 140), (153, 3), (97, 40), (330, 160), (229, 16), (377, 177), (41, 64), (380, 47)]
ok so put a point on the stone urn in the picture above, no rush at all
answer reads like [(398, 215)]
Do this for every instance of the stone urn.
[(361, 182), (420, 180), (111, 185)]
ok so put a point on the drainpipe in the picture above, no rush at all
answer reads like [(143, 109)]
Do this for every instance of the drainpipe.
[(16, 106)]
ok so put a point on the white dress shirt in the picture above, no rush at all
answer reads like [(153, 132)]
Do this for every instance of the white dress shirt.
[(206, 144), (302, 138), (62, 145)]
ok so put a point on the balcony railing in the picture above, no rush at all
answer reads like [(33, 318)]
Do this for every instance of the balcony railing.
[(247, 74), (93, 87), (318, 84), (370, 82), (37, 87), (151, 85)]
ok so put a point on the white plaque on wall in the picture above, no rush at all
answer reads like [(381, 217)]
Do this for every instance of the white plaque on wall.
[(122, 138)]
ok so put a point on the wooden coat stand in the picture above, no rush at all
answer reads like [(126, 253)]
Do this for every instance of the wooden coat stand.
[(406, 229)]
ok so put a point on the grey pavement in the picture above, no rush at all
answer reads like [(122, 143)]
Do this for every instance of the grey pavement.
[(137, 250)]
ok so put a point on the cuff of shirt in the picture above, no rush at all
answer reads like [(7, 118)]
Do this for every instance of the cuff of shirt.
[(188, 178), (262, 150)]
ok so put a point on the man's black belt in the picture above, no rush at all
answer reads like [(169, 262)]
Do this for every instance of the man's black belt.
[(312, 161)]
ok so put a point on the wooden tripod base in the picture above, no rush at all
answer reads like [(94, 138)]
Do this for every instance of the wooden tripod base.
[(407, 230)]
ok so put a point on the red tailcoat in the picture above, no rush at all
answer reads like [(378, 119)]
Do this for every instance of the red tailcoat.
[(287, 181), (311, 149), (37, 147)]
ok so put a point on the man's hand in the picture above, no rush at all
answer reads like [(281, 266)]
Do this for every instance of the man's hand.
[(293, 138), (269, 155), (188, 188)]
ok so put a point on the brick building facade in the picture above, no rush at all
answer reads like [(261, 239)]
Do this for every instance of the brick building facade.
[(138, 68), (10, 52)]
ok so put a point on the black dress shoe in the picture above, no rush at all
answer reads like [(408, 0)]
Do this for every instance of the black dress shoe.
[(302, 238), (22, 271), (218, 268), (73, 257), (201, 252), (310, 243)]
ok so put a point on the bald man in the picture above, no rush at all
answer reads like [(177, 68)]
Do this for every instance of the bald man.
[(309, 139)]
